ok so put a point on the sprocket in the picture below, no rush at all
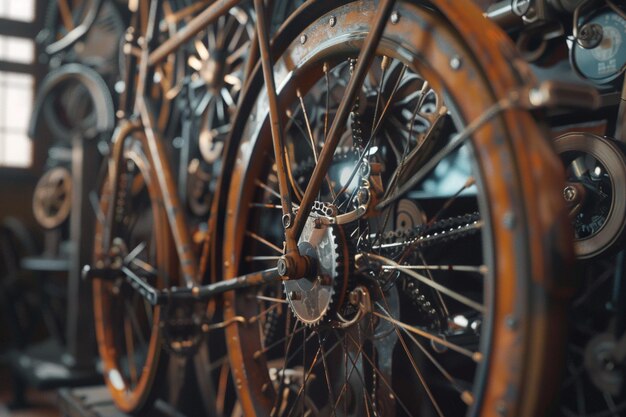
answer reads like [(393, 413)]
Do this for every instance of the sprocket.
[(312, 298)]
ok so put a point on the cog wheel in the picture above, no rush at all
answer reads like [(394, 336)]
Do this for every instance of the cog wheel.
[(596, 173), (52, 200), (312, 298)]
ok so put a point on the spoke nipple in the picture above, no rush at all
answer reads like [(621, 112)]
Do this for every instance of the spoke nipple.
[(332, 21), (384, 64), (257, 354), (477, 357), (265, 388), (467, 397), (395, 17), (205, 328), (303, 39), (195, 291)]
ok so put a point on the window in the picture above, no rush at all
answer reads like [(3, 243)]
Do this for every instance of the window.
[(17, 53), (16, 99), (22, 10)]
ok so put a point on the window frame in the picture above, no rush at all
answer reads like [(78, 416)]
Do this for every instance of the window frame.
[(37, 69)]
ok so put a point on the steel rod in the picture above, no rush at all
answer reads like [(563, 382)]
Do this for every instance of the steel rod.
[(275, 120), (197, 24), (354, 85)]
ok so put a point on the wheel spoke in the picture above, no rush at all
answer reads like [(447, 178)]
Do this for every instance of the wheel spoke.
[(482, 269), (435, 285), (378, 373), (264, 241), (475, 356)]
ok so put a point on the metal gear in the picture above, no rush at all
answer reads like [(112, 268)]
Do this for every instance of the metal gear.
[(52, 199), (312, 298), (182, 330), (596, 174)]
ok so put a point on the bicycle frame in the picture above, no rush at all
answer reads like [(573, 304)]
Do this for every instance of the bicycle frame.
[(144, 121)]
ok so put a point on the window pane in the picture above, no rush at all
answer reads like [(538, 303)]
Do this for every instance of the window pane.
[(23, 10), (18, 109), (16, 102), (16, 49), (17, 150)]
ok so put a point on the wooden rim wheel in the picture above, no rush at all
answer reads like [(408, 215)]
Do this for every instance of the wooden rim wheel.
[(456, 315)]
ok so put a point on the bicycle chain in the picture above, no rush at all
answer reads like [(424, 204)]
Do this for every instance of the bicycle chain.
[(445, 230), (441, 231), (420, 300)]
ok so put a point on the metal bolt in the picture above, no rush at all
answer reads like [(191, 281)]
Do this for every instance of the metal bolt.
[(395, 17), (511, 322), (281, 266), (570, 193), (509, 220), (303, 39), (455, 62), (295, 295), (590, 35), (332, 21)]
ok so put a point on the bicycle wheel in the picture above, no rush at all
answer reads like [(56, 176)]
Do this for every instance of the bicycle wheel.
[(127, 326), (443, 303)]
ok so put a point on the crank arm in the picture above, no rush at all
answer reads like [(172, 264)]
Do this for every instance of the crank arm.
[(199, 293)]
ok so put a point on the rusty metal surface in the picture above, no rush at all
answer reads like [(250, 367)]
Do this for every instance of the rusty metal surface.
[(525, 232)]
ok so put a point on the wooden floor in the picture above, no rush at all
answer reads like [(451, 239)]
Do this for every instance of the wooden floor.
[(41, 404)]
